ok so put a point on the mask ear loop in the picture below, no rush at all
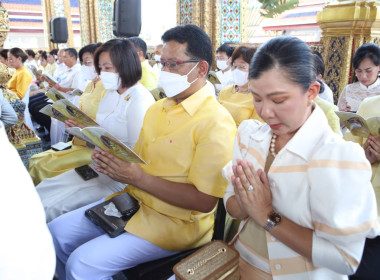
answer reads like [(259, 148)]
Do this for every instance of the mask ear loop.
[(191, 71)]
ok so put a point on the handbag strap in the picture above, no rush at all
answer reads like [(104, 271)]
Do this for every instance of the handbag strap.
[(232, 242)]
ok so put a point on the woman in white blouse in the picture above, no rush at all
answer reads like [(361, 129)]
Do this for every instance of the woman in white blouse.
[(367, 66), (303, 193), (121, 112)]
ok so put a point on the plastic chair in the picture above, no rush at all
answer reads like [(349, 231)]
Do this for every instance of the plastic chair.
[(163, 268), (27, 118)]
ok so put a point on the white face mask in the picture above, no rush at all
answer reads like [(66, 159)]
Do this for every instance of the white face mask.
[(222, 64), (157, 57), (240, 77), (173, 84), (88, 72), (111, 81)]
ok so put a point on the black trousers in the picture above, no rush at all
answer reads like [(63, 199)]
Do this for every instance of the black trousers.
[(36, 103), (369, 268)]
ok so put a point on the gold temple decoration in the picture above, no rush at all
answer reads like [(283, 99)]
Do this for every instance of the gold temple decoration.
[(4, 24), (345, 26)]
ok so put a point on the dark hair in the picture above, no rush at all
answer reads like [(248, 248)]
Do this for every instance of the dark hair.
[(370, 50), (198, 42), (125, 59), (289, 54), (4, 53), (227, 49), (139, 44), (17, 52), (53, 52), (246, 53), (91, 48), (72, 52), (43, 55), (319, 64), (30, 53)]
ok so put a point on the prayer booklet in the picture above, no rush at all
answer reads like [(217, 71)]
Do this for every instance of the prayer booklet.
[(102, 139), (64, 110), (158, 93), (213, 78), (358, 125), (48, 78), (54, 94)]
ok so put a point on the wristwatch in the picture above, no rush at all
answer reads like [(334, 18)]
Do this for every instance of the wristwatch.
[(274, 218)]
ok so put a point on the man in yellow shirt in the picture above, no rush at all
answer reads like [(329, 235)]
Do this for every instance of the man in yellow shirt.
[(185, 140), (149, 78)]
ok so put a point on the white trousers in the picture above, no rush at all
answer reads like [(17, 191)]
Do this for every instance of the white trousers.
[(68, 191), (85, 251)]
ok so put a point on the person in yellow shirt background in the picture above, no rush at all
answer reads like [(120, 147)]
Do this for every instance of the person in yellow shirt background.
[(237, 98), (51, 163), (149, 78), (368, 268), (177, 194), (22, 79)]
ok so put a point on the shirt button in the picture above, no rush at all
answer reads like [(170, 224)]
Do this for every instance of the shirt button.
[(153, 139), (273, 184), (278, 266), (168, 122)]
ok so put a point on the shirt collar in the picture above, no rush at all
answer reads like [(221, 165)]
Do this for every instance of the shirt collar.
[(375, 84), (310, 132), (193, 102)]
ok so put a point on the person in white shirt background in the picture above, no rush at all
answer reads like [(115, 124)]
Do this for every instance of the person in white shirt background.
[(223, 54), (327, 93), (27, 250), (157, 57)]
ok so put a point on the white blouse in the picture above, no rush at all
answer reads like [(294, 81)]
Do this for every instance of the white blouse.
[(320, 182), (354, 94), (122, 115)]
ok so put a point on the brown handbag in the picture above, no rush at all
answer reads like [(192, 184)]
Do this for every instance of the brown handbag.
[(214, 261)]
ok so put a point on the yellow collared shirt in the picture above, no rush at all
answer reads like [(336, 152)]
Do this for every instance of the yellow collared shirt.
[(190, 143), (149, 78), (20, 81), (240, 105)]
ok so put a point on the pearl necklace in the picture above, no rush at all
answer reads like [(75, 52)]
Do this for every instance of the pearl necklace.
[(273, 144)]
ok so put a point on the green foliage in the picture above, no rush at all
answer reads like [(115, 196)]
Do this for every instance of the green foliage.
[(272, 8)]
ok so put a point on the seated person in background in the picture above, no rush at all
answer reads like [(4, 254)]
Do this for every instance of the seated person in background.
[(4, 56), (52, 64), (25, 254), (31, 60), (237, 97), (366, 63), (223, 55), (177, 194), (369, 266), (121, 112), (149, 77), (326, 92), (43, 61), (22, 78), (71, 79), (7, 114), (61, 66), (52, 163), (157, 58), (304, 193)]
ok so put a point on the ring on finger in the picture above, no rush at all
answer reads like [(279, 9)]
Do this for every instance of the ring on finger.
[(250, 188)]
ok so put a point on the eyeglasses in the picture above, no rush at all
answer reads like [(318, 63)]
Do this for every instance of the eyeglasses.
[(172, 65), (88, 63), (243, 68)]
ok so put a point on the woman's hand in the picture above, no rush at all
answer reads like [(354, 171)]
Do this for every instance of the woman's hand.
[(346, 108), (71, 123), (372, 149), (252, 191), (117, 169)]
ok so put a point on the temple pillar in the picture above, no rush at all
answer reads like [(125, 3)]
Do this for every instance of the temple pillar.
[(4, 25), (346, 24), (96, 21)]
